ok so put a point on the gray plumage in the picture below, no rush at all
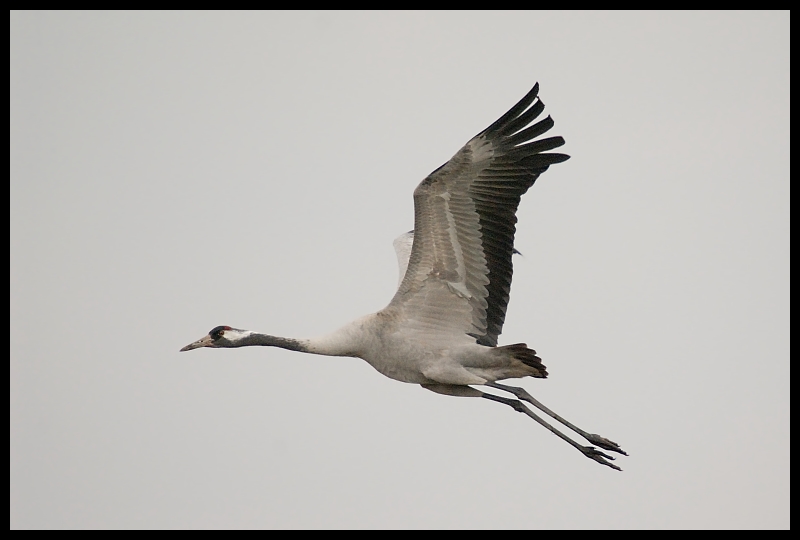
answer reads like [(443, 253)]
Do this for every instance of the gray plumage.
[(441, 328)]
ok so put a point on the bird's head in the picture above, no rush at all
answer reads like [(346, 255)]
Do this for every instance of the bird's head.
[(220, 336)]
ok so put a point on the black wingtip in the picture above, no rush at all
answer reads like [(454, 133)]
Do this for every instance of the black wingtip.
[(514, 111)]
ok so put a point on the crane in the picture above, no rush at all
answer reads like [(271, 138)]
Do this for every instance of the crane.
[(440, 329)]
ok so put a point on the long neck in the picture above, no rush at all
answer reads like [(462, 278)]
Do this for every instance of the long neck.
[(348, 340), (254, 338)]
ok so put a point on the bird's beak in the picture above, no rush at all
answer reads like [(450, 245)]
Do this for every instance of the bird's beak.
[(203, 342)]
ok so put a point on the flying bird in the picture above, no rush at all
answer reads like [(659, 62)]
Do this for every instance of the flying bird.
[(441, 328)]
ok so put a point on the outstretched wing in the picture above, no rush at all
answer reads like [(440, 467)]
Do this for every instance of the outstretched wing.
[(459, 273), (402, 248)]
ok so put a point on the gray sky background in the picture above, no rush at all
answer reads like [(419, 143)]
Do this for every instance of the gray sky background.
[(171, 172)]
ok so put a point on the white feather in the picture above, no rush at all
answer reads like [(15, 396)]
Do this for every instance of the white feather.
[(402, 246)]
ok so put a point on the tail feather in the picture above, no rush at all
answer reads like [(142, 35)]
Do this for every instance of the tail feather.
[(521, 352)]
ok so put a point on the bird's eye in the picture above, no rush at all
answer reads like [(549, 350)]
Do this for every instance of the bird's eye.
[(217, 331)]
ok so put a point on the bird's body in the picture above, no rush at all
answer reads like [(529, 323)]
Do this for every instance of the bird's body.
[(399, 351), (441, 328)]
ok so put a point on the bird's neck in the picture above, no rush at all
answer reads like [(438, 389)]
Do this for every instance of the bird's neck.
[(349, 340), (255, 339)]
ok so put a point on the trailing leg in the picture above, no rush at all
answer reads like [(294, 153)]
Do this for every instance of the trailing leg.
[(468, 391), (602, 442)]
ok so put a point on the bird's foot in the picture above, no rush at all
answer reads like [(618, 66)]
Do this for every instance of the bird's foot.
[(593, 453), (605, 444)]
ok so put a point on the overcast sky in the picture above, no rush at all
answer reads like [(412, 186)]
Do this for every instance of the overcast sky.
[(171, 172)]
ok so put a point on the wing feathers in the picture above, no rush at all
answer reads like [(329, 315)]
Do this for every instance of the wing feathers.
[(515, 111), (517, 124), (526, 150), (460, 268), (529, 133)]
